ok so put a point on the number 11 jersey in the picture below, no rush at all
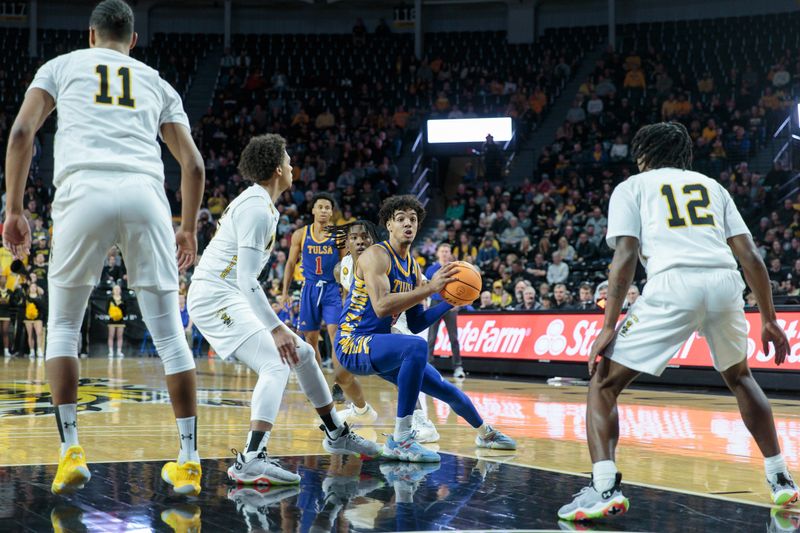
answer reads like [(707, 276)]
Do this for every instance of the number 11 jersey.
[(681, 218), (110, 109)]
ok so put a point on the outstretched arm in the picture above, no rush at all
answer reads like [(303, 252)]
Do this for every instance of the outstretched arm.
[(374, 264)]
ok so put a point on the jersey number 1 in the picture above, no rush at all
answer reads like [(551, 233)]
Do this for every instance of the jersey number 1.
[(319, 265), (102, 96), (675, 220)]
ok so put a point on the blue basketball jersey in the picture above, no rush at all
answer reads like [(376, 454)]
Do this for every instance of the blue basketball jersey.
[(319, 257), (358, 318)]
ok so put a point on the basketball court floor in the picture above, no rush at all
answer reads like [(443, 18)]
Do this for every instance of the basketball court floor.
[(688, 462)]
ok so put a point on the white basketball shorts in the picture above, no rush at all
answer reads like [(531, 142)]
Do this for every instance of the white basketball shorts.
[(222, 315), (674, 305), (95, 210)]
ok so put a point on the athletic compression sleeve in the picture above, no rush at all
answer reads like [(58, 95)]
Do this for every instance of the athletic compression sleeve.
[(248, 267), (420, 319)]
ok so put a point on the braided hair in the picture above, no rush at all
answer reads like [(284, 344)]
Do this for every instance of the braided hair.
[(340, 233), (665, 144)]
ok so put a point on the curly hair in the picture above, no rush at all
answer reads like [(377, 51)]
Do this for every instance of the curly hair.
[(340, 233), (262, 156), (394, 204), (112, 19), (322, 196), (663, 145)]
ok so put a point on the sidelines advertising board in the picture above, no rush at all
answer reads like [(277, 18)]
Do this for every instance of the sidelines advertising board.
[(569, 337)]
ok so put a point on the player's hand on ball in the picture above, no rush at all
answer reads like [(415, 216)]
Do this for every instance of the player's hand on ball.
[(285, 342), (445, 275), (601, 344), (17, 236), (771, 332), (187, 248)]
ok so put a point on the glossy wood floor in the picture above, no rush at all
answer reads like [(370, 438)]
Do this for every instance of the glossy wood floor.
[(677, 441)]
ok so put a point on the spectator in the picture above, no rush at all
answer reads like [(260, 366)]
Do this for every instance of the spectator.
[(513, 234), (631, 297), (558, 271), (500, 297), (528, 300), (565, 250), (486, 301), (561, 297), (586, 297), (487, 252), (116, 309), (35, 314), (576, 113)]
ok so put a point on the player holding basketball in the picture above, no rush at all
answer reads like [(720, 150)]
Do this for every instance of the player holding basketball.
[(687, 231), (357, 237), (229, 307), (387, 282), (320, 298), (109, 190)]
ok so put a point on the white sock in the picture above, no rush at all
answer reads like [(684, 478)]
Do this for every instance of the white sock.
[(187, 431), (67, 420), (604, 474), (423, 404), (402, 427), (774, 466), (361, 410)]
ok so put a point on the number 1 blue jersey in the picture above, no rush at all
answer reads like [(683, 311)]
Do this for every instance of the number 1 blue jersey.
[(319, 257)]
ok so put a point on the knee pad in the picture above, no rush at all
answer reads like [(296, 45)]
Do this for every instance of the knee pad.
[(175, 354), (62, 340)]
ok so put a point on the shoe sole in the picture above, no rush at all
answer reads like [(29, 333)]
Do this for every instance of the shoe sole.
[(262, 480), (75, 481), (787, 499), (610, 510), (409, 458), (335, 451), (183, 490)]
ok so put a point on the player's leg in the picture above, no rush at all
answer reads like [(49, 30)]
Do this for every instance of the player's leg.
[(253, 466), (311, 317), (66, 304), (726, 333), (338, 437), (488, 437), (360, 411)]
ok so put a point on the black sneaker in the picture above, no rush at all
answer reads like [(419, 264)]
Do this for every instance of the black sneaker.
[(337, 393)]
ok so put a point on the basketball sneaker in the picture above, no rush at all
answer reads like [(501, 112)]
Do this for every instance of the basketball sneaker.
[(459, 373), (349, 443), (496, 440), (184, 518), (409, 449), (405, 478), (350, 415), (184, 478), (589, 504), (426, 431), (73, 473), (783, 489), (260, 470), (338, 490), (337, 393)]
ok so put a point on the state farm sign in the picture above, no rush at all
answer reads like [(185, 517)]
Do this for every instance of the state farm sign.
[(569, 337)]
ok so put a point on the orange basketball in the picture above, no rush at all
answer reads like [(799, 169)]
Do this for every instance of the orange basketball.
[(467, 286)]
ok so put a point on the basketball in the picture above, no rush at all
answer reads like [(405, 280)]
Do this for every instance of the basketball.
[(467, 286)]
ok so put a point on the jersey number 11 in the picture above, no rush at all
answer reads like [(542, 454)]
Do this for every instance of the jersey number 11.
[(102, 96)]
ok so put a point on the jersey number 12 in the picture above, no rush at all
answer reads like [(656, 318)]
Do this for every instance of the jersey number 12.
[(102, 96), (675, 220)]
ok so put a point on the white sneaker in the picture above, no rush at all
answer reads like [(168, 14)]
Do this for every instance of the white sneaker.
[(6, 353), (350, 415), (260, 470), (120, 354), (32, 355), (39, 353), (426, 431), (458, 373), (110, 353), (349, 443)]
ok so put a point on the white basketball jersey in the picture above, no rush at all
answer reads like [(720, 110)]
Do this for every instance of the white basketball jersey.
[(251, 221), (110, 110), (681, 218), (346, 272)]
